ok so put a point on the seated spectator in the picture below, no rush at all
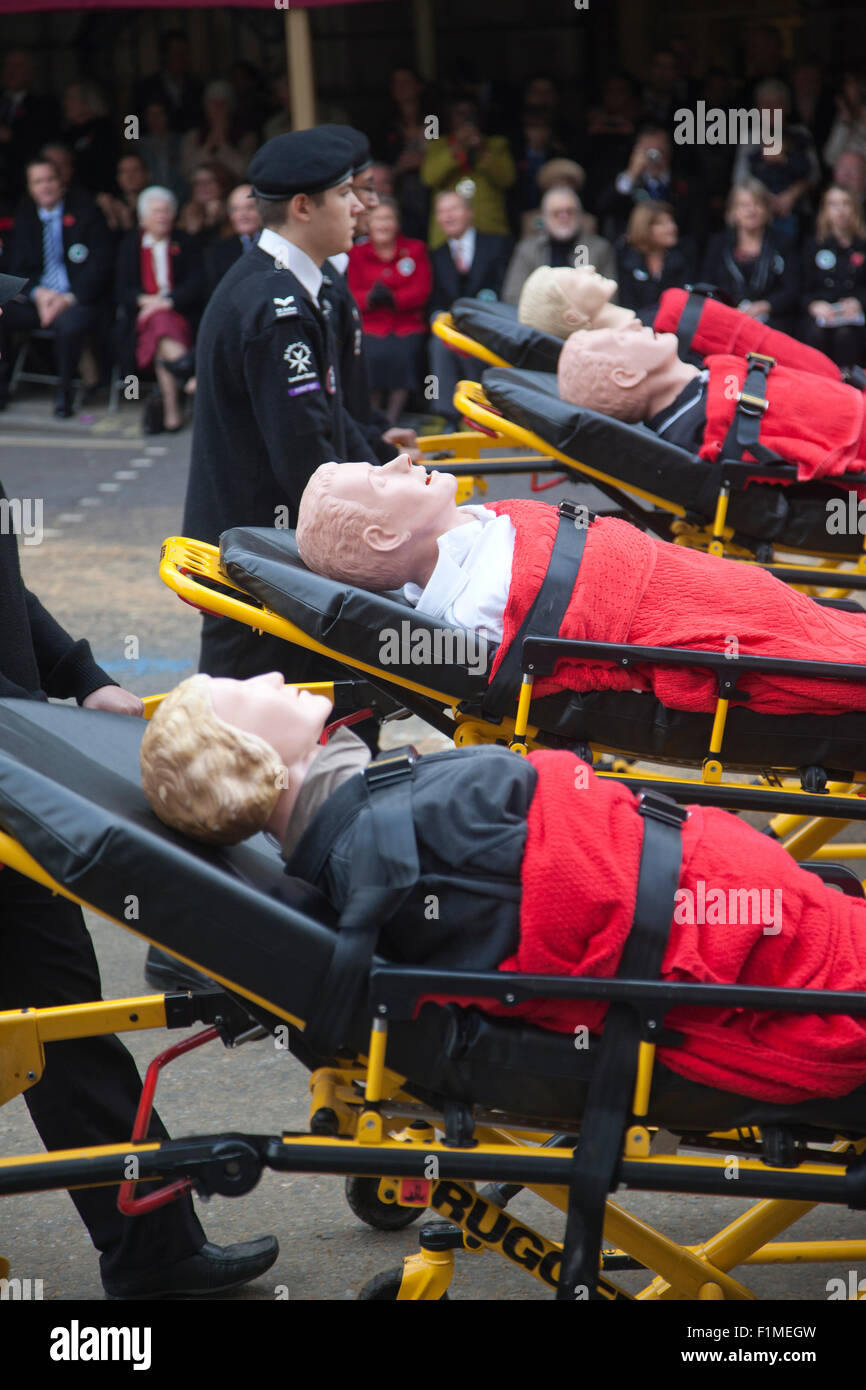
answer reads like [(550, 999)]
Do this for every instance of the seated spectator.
[(610, 131), (651, 259), (470, 264), (90, 136), (849, 128), (541, 99), (533, 148), (812, 101), (245, 223), (61, 157), (218, 138), (159, 284), (788, 173), (132, 177), (479, 166), (172, 86), (159, 147), (650, 175), (665, 90), (247, 84), (61, 244), (834, 279), (204, 215), (849, 172), (391, 279), (714, 163), (26, 120), (747, 262), (562, 240), (280, 122), (401, 144)]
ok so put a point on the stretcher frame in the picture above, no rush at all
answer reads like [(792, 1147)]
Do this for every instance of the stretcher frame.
[(805, 822), (361, 1123)]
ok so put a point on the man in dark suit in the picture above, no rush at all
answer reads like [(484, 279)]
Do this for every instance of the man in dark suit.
[(60, 243), (26, 120), (172, 86), (470, 265), (221, 255)]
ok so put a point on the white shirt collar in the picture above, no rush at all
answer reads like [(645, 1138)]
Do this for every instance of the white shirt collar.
[(49, 214), (291, 257), (340, 261), (464, 244), (469, 585)]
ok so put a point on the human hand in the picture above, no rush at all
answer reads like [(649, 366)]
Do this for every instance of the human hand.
[(115, 699), (380, 297), (820, 309), (850, 307), (404, 439), (757, 308), (49, 303)]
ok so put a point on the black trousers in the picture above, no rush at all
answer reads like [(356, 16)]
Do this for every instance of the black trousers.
[(89, 1090), (69, 328)]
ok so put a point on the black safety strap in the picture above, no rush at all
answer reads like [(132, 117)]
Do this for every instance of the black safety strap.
[(545, 614), (854, 376), (384, 870), (609, 1099), (689, 319), (751, 404)]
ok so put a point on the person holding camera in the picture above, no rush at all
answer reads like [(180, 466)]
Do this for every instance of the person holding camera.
[(649, 175), (480, 167)]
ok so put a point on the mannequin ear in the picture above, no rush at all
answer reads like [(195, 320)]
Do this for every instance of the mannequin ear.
[(575, 318), (381, 539), (628, 377)]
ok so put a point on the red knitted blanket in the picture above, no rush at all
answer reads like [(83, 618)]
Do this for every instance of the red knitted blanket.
[(722, 329), (633, 588), (579, 879), (819, 425)]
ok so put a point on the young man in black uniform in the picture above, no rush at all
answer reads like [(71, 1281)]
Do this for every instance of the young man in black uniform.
[(89, 1091), (269, 405)]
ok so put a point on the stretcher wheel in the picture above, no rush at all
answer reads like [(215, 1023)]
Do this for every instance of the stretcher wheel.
[(384, 1287), (362, 1194)]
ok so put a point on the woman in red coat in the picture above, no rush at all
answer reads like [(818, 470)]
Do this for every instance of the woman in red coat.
[(391, 278)]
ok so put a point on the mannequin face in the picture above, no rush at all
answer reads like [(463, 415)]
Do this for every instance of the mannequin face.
[(290, 720), (585, 288), (408, 501), (641, 351)]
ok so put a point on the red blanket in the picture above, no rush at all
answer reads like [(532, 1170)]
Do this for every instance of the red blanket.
[(819, 425), (633, 588), (579, 880), (721, 329)]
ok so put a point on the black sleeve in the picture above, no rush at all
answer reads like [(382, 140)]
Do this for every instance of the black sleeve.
[(95, 276), (127, 276), (283, 376), (66, 667), (783, 293), (10, 691), (357, 437), (190, 283)]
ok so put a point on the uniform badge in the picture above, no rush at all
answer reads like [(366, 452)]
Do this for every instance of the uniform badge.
[(406, 265), (825, 260), (78, 252), (331, 381), (779, 264), (284, 308), (466, 188), (487, 295), (640, 274), (298, 357)]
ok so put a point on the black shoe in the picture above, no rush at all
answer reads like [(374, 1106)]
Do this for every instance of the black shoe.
[(152, 417), (168, 974), (212, 1269), (63, 407)]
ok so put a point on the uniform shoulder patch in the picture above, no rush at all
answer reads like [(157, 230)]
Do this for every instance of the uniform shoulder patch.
[(285, 306)]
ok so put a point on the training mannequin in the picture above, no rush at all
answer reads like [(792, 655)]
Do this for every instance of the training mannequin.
[(481, 568), (559, 300), (635, 375), (562, 300), (533, 848)]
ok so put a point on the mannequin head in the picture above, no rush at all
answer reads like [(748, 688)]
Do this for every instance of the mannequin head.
[(559, 300), (222, 759), (630, 374), (375, 526)]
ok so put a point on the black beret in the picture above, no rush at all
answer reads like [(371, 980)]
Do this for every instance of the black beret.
[(304, 161), (362, 158)]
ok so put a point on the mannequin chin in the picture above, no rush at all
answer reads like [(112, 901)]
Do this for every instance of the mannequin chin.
[(560, 300), (630, 374)]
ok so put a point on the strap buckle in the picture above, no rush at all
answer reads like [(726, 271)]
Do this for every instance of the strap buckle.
[(751, 405), (391, 767), (569, 510), (660, 807), (761, 359)]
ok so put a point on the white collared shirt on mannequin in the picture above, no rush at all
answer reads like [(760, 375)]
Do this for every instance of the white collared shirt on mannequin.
[(469, 586)]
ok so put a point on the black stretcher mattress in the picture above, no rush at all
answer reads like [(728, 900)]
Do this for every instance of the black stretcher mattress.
[(495, 326), (351, 621), (70, 794), (792, 515)]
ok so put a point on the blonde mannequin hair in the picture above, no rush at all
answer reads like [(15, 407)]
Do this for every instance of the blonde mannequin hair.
[(330, 537), (212, 781), (543, 305)]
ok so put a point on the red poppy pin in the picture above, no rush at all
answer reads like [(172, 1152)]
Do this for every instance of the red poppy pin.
[(856, 258), (174, 248), (68, 220)]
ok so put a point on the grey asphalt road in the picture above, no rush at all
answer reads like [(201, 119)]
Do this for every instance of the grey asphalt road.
[(110, 497)]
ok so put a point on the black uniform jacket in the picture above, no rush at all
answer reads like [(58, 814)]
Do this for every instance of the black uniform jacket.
[(268, 404), (346, 322)]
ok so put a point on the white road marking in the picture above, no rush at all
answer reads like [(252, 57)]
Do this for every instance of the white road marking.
[(156, 449), (68, 517), (109, 487), (52, 441), (89, 501), (125, 474)]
